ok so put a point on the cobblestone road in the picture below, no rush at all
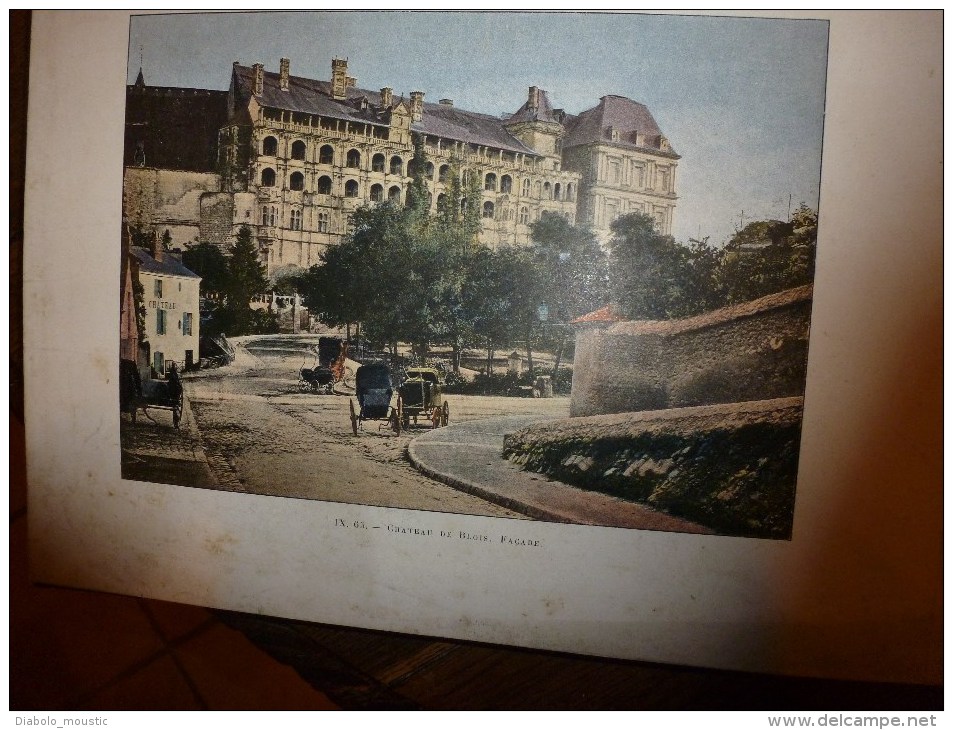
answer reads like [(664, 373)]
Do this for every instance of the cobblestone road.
[(262, 433)]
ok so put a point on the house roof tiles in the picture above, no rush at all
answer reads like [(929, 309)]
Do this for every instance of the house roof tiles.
[(169, 266)]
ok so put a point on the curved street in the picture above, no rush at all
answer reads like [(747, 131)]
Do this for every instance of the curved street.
[(262, 432)]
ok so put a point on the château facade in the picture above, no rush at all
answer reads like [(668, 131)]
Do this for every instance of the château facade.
[(296, 156)]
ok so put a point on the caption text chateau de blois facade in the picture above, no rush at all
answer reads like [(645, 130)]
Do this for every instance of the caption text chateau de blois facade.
[(293, 157)]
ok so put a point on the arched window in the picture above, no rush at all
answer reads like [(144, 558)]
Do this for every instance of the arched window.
[(377, 193), (524, 215), (326, 155), (488, 209), (538, 189), (570, 192), (430, 171), (547, 190), (526, 187), (377, 163), (296, 181), (440, 199), (324, 222), (394, 194), (269, 146), (353, 158), (442, 175), (295, 220), (396, 165), (556, 191), (324, 185), (489, 182), (297, 150), (350, 189), (268, 178), (506, 184)]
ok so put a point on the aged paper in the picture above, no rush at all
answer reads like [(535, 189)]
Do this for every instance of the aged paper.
[(855, 593)]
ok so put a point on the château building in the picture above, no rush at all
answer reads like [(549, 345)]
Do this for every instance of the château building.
[(296, 156)]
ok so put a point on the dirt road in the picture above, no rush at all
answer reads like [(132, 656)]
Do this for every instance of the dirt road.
[(263, 433)]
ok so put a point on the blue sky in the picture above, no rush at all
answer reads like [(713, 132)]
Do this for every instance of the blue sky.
[(741, 99)]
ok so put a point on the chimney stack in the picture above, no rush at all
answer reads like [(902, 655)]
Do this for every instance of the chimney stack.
[(285, 72), (446, 102), (156, 249), (339, 78), (532, 102), (259, 79), (416, 105), (387, 97)]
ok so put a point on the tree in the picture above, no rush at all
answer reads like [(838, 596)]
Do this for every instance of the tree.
[(208, 261), (417, 193), (246, 278), (769, 256), (649, 271), (573, 265), (499, 296)]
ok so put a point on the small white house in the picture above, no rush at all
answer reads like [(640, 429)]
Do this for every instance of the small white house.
[(171, 300)]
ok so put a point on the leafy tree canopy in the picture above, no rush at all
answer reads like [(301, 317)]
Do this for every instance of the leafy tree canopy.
[(208, 261)]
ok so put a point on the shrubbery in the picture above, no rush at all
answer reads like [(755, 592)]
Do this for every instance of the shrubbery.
[(509, 384)]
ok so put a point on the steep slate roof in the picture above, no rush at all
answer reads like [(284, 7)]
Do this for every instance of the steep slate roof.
[(620, 113), (309, 96), (543, 112), (169, 266)]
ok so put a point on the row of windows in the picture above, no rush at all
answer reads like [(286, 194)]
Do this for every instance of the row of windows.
[(490, 211), (543, 190), (269, 219), (185, 324), (395, 166), (157, 288)]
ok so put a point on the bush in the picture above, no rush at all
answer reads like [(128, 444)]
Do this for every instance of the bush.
[(508, 383)]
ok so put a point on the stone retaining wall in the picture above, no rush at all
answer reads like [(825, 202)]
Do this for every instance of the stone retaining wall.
[(730, 467), (752, 351)]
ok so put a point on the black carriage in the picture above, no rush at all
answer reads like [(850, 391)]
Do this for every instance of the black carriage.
[(329, 366), (375, 392), (136, 394)]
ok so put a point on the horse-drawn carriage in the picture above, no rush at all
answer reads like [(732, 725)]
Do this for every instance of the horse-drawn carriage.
[(374, 389), (421, 394), (329, 365), (136, 394)]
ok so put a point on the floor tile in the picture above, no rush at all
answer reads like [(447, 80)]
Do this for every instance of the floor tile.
[(65, 643), (157, 686), (231, 673)]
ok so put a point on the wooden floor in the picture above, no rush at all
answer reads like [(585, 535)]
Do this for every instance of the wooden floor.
[(361, 669)]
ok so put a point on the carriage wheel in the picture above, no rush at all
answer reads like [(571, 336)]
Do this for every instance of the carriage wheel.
[(446, 414), (353, 416)]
